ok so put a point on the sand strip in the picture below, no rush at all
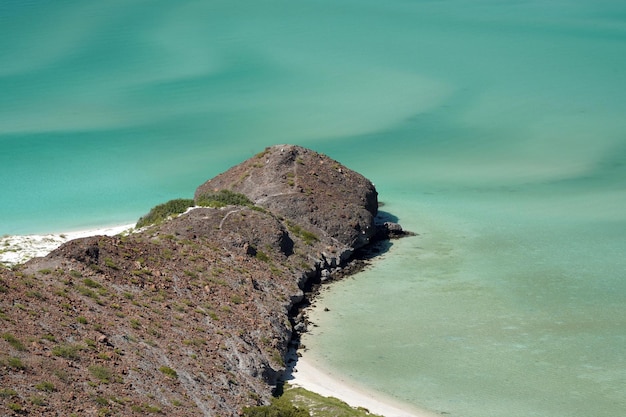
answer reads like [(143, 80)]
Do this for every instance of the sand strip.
[(307, 376), (20, 248)]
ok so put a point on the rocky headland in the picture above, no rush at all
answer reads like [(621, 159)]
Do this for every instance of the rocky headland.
[(193, 315)]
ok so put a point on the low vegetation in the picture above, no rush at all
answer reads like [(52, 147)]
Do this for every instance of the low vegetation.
[(298, 402), (166, 370), (319, 406), (280, 407), (45, 386), (67, 351), (223, 198), (163, 211), (15, 363), (306, 236), (7, 393), (102, 373), (217, 199), (13, 341)]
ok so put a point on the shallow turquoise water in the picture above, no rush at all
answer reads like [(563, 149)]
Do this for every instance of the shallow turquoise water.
[(494, 129)]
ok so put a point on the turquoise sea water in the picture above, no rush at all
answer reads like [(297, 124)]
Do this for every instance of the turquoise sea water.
[(494, 129)]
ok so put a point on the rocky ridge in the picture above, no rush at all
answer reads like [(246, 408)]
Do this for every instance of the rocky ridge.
[(193, 316)]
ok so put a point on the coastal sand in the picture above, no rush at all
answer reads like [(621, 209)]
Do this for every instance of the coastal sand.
[(307, 376), (18, 249)]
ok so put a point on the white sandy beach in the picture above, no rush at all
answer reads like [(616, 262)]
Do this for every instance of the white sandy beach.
[(307, 376), (20, 248)]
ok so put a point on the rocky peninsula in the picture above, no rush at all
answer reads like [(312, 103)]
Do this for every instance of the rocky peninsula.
[(193, 314)]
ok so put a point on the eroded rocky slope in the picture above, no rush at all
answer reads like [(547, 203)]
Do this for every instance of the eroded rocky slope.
[(193, 316)]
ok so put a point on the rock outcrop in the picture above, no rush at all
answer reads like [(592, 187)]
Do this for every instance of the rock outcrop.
[(189, 317), (309, 189)]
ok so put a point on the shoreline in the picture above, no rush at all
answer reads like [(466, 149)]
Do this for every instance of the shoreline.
[(307, 375), (17, 249), (306, 371)]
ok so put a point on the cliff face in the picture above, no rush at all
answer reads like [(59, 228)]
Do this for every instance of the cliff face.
[(188, 317)]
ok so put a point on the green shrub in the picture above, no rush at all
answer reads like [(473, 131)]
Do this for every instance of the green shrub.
[(62, 374), (15, 407), (308, 237), (262, 256), (279, 407), (146, 408), (14, 341), (7, 393), (152, 409), (49, 337), (223, 198), (102, 373), (320, 406), (110, 263), (163, 211), (67, 351), (91, 283), (38, 401), (35, 294), (86, 292), (45, 386), (101, 401), (169, 372), (15, 363)]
